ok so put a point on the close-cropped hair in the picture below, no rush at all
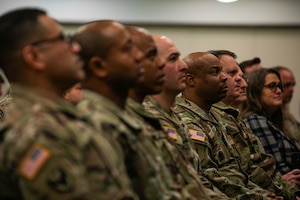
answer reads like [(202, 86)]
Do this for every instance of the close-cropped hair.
[(195, 62), (248, 63), (94, 40), (17, 29), (254, 104), (219, 53)]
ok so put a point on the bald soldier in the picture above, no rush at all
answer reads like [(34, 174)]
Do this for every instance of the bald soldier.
[(47, 150), (182, 171), (113, 66), (160, 104), (205, 85)]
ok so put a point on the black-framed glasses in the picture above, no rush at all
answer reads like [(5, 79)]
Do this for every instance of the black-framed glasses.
[(274, 86), (289, 84), (60, 37)]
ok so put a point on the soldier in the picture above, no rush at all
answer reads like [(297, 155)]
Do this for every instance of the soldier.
[(205, 85), (259, 165), (113, 66), (160, 105), (182, 171), (47, 150)]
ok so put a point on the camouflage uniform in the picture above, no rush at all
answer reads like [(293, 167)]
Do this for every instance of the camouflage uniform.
[(259, 165), (4, 105), (150, 177), (291, 126), (220, 162), (182, 171), (177, 130), (48, 151)]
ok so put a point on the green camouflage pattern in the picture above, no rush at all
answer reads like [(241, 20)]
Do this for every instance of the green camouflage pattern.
[(4, 102), (291, 126), (177, 130), (259, 165), (219, 160), (183, 173), (150, 177), (48, 151)]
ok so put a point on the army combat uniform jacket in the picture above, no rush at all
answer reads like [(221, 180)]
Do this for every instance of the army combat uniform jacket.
[(48, 151), (4, 103), (220, 162), (176, 130), (184, 175), (259, 165), (146, 169)]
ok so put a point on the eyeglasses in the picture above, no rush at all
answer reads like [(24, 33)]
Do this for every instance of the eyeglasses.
[(274, 86), (60, 37), (289, 84)]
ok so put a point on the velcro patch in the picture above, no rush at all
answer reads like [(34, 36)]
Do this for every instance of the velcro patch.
[(197, 135), (171, 132), (33, 161)]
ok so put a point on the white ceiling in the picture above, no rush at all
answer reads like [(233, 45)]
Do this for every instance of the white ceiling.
[(169, 12)]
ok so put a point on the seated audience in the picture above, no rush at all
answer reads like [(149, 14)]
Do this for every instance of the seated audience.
[(263, 113)]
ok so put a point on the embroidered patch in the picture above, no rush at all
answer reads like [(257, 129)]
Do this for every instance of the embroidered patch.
[(33, 161), (197, 135), (171, 132)]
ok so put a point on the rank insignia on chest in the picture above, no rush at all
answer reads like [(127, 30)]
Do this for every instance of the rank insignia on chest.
[(197, 135), (171, 132)]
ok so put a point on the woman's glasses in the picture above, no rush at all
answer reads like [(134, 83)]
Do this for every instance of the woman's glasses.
[(274, 86)]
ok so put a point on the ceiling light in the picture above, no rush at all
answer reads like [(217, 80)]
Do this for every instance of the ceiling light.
[(227, 1)]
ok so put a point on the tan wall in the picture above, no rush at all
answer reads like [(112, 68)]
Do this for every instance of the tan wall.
[(275, 46)]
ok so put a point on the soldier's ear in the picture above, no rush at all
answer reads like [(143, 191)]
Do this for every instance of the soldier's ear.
[(33, 57), (98, 66), (190, 79)]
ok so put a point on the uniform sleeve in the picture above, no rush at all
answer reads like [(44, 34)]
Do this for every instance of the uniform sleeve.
[(210, 167), (52, 169), (48, 163)]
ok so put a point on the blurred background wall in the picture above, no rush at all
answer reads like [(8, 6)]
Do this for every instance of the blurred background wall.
[(269, 29)]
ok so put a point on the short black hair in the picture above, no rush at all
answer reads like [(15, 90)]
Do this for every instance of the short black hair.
[(16, 27), (219, 53), (248, 63)]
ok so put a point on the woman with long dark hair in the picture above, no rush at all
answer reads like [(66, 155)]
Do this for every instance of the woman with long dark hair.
[(262, 111)]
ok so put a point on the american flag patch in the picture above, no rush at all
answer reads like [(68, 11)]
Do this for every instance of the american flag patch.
[(171, 132), (33, 161), (197, 135), (230, 140)]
